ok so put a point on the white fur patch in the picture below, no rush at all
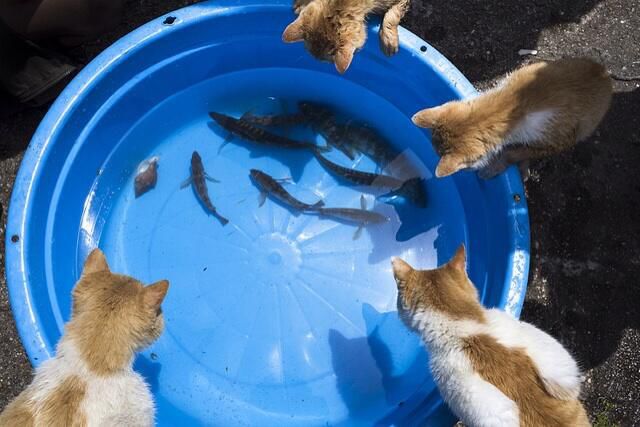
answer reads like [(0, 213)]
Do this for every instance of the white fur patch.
[(556, 367), (115, 400), (474, 400), (532, 128)]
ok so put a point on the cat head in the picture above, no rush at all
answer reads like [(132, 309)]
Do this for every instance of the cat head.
[(456, 135), (328, 33), (445, 290), (113, 315)]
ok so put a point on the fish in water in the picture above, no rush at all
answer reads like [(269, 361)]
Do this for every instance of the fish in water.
[(146, 176), (254, 133), (274, 119), (323, 121), (412, 189), (367, 141), (359, 177), (271, 186), (362, 217), (351, 138), (199, 180)]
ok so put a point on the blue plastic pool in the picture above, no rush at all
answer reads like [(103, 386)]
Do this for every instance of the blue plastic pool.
[(275, 319)]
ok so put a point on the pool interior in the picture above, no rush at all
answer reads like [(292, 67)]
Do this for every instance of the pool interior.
[(275, 298), (277, 316)]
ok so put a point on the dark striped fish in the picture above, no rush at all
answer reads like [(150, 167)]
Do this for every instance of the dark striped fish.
[(271, 186), (274, 119), (362, 217), (367, 141), (412, 189), (359, 177), (254, 133), (198, 179), (350, 138), (324, 122)]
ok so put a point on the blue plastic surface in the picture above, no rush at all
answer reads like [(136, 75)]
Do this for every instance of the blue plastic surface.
[(275, 319)]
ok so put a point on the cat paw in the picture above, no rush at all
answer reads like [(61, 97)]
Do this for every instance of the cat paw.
[(389, 40)]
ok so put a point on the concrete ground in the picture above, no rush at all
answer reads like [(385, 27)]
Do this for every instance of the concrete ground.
[(584, 205)]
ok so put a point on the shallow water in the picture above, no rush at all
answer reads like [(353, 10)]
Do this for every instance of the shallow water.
[(277, 311)]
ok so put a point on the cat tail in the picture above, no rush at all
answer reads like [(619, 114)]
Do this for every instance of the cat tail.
[(556, 367)]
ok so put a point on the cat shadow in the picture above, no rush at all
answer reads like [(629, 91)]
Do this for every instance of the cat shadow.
[(364, 365), (296, 160), (408, 228), (584, 237), (487, 46)]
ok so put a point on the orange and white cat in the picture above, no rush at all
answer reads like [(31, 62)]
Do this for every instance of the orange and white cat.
[(333, 30), (491, 369), (90, 381), (538, 110)]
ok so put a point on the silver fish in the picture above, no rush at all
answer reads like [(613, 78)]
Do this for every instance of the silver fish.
[(271, 186), (361, 217)]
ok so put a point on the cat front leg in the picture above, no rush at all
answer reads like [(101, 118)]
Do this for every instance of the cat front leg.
[(496, 166), (389, 42), (515, 155)]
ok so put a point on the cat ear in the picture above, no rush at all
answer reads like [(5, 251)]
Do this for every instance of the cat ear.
[(343, 58), (427, 118), (459, 260), (294, 32), (448, 165), (95, 262), (154, 294), (401, 271)]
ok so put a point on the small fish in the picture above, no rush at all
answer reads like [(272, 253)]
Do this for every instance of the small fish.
[(350, 138), (323, 121), (359, 177), (146, 176), (367, 141), (362, 217), (198, 179), (253, 133), (271, 186), (412, 189)]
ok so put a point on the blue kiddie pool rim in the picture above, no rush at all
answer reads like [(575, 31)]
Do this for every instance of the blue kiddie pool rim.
[(21, 208)]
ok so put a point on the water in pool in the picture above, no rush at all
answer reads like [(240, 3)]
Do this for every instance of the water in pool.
[(283, 312)]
